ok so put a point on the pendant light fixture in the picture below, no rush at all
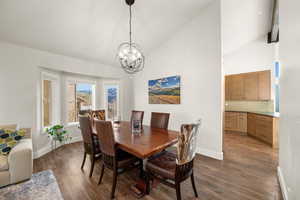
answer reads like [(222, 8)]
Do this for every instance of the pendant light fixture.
[(129, 54)]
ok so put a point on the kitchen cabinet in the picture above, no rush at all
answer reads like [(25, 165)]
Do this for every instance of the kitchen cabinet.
[(264, 83), (227, 95), (236, 121), (251, 86), (251, 124), (259, 126), (236, 87)]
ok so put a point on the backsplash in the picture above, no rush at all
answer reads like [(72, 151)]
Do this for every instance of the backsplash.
[(254, 106)]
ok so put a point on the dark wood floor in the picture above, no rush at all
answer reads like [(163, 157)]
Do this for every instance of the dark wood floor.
[(247, 172)]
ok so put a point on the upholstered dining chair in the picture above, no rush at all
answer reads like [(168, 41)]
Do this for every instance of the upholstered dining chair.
[(113, 158), (171, 168), (90, 142), (97, 114), (160, 120), (137, 115)]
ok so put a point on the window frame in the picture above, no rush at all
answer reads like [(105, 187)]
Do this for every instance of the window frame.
[(109, 83), (55, 98), (74, 80)]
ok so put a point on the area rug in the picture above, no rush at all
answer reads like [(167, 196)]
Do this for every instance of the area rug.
[(42, 186)]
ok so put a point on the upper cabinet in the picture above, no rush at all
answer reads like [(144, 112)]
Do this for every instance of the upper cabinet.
[(264, 82), (249, 86)]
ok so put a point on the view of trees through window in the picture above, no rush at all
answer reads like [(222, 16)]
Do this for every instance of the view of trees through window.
[(79, 97), (112, 101), (47, 104)]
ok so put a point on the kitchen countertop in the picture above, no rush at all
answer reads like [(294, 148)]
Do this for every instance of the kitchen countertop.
[(272, 114)]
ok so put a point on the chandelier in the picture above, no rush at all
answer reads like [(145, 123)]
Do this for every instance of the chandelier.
[(129, 54)]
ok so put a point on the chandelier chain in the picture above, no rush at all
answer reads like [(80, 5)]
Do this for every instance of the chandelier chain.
[(130, 26), (129, 54)]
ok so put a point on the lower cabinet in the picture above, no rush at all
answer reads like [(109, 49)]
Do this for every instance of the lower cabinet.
[(266, 129), (262, 127), (251, 124), (236, 121)]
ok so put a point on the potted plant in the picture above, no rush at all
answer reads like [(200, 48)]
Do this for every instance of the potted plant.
[(58, 133)]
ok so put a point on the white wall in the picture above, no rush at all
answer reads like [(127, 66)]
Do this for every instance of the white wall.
[(289, 135), (20, 79), (194, 53), (257, 55)]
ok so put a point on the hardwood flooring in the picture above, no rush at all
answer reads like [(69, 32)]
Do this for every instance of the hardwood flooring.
[(248, 172)]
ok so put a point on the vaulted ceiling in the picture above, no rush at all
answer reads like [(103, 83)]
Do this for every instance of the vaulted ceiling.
[(92, 29), (244, 21)]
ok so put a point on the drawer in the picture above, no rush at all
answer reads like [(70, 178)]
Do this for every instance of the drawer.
[(264, 118)]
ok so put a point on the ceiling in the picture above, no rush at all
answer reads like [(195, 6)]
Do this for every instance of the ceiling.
[(245, 21), (92, 29)]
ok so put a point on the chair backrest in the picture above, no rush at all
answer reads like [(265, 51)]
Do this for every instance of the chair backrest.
[(187, 142), (137, 115), (98, 114), (106, 137), (86, 129), (84, 112), (160, 120)]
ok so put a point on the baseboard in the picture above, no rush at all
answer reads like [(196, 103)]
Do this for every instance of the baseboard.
[(48, 148), (210, 153), (282, 184)]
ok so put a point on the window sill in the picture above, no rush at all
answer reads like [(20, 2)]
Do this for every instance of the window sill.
[(72, 124)]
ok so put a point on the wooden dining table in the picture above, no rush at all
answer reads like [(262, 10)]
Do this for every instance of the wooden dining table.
[(145, 144)]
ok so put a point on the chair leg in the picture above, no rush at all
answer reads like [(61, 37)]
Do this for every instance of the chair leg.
[(147, 183), (178, 192), (84, 158), (102, 172), (114, 184), (141, 168), (193, 184), (92, 166)]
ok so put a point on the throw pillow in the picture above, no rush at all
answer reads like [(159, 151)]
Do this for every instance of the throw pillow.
[(9, 138)]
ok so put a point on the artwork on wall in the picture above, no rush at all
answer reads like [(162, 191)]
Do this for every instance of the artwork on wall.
[(164, 90)]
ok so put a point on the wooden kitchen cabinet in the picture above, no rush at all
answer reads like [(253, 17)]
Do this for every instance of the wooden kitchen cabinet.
[(261, 127), (251, 86), (242, 122), (236, 87), (264, 83), (227, 95), (251, 124), (231, 121), (264, 128), (236, 121)]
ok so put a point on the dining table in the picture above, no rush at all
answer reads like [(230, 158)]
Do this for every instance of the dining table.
[(144, 144), (147, 142)]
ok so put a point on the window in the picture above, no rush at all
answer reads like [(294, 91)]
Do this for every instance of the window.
[(112, 101), (80, 97), (50, 98), (47, 102)]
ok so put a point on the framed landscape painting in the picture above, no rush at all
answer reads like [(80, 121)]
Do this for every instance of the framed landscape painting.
[(164, 90)]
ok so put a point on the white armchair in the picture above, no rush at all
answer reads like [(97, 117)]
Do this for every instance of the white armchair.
[(18, 165)]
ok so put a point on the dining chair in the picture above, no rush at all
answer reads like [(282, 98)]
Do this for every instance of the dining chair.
[(113, 158), (137, 115), (160, 120), (174, 168), (84, 112), (98, 114), (90, 142)]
